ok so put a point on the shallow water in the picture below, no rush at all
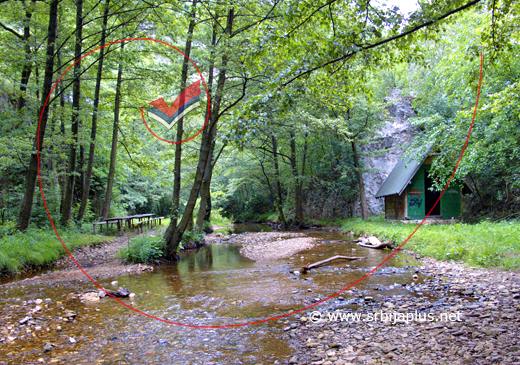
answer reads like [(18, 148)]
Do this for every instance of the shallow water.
[(212, 286)]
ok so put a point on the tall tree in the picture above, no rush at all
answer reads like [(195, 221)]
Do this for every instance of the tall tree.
[(27, 65), (68, 199), (180, 123), (174, 235), (115, 130), (95, 112), (361, 181), (32, 171), (278, 185), (205, 193)]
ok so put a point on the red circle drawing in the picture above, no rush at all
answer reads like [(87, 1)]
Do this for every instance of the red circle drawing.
[(266, 319)]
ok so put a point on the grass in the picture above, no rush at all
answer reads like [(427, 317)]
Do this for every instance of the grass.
[(37, 248), (484, 244), (143, 249), (219, 220)]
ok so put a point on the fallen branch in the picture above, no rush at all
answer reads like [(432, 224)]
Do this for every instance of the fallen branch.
[(323, 262)]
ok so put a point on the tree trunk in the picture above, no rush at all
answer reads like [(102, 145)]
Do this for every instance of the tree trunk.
[(205, 195), (63, 168), (205, 192), (93, 131), (66, 214), (113, 151), (81, 168), (27, 64), (298, 209), (279, 200), (180, 124), (189, 227), (30, 180), (173, 237), (302, 174), (359, 172)]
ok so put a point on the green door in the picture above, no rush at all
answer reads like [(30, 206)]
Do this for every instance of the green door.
[(415, 195), (450, 202)]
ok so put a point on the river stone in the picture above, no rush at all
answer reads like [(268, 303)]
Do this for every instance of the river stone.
[(24, 320), (48, 347), (69, 314), (124, 292), (90, 297)]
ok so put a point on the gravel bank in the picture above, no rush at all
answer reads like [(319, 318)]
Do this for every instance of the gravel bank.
[(484, 305), (272, 245)]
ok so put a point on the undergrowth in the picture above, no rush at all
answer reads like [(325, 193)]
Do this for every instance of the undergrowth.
[(37, 247), (143, 249)]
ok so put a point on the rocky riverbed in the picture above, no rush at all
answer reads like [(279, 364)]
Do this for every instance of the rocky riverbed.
[(437, 313), (464, 316), (266, 246), (273, 245)]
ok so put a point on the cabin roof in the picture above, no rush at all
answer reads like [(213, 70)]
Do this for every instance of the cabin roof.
[(401, 175)]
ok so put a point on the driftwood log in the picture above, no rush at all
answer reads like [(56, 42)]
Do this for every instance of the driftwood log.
[(323, 262), (382, 245), (373, 242)]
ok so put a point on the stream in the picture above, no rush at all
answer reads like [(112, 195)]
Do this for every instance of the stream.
[(214, 285)]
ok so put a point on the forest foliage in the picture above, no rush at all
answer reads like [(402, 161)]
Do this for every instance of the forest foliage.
[(296, 89)]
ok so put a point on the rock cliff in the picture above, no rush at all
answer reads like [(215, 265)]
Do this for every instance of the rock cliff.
[(382, 154)]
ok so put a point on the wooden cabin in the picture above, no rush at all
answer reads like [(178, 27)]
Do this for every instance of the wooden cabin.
[(408, 195)]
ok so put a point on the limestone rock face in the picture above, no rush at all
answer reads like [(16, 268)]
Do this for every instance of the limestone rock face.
[(394, 136)]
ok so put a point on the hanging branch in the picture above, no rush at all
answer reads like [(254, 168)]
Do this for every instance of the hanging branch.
[(380, 43)]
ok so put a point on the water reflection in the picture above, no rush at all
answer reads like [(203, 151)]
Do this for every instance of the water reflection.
[(211, 286)]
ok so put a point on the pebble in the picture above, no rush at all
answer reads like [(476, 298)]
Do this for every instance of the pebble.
[(48, 347), (484, 328)]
